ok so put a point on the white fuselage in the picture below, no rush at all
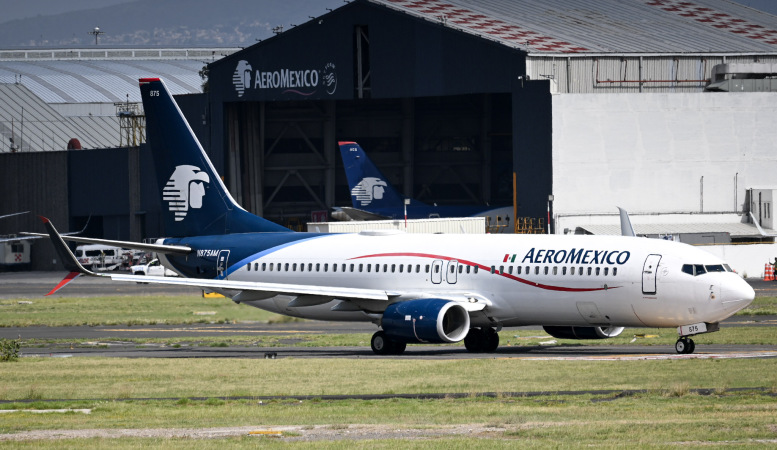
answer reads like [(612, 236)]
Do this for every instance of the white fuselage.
[(523, 279)]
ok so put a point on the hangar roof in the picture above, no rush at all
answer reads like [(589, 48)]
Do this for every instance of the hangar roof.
[(107, 76), (734, 229), (43, 128), (605, 26)]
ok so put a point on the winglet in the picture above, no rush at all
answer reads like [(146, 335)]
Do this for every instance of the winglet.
[(757, 225), (626, 228), (68, 258), (70, 277)]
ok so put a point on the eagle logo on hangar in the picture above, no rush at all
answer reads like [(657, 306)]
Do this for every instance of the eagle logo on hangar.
[(185, 190), (242, 77)]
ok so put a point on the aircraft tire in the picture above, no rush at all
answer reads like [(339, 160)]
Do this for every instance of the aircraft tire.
[(684, 346), (475, 340), (397, 348), (491, 341), (380, 343)]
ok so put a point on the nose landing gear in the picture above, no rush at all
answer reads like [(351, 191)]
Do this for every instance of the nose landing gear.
[(685, 345)]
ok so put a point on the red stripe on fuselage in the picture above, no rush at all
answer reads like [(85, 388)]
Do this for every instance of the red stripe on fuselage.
[(488, 268)]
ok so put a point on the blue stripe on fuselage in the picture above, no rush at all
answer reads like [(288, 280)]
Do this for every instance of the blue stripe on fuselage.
[(242, 247)]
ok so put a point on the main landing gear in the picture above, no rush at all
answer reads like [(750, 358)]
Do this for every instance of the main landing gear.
[(482, 340), (383, 345), (685, 345)]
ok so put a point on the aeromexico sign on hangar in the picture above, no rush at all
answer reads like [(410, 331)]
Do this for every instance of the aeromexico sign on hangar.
[(265, 83)]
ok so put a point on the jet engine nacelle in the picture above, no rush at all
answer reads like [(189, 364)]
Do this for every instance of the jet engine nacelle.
[(426, 320), (583, 332)]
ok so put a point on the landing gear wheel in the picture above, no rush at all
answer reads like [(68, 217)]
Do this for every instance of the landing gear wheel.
[(474, 341), (397, 348), (491, 341), (380, 343), (383, 345), (685, 346)]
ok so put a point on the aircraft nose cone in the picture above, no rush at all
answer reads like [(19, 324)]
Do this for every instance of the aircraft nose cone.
[(736, 295)]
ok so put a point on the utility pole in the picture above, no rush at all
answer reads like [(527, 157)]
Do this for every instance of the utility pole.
[(96, 33)]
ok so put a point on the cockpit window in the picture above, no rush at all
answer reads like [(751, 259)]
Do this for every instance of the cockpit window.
[(699, 269), (728, 268)]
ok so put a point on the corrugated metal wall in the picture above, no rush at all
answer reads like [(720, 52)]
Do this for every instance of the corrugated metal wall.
[(632, 73), (35, 182)]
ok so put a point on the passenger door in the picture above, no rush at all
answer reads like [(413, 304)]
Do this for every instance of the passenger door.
[(649, 272), (450, 274), (436, 274)]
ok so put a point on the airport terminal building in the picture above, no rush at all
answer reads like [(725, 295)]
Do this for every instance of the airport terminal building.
[(663, 107)]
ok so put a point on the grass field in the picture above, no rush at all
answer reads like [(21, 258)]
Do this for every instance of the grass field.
[(145, 310), (669, 414)]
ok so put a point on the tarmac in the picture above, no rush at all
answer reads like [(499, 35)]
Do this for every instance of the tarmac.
[(114, 341)]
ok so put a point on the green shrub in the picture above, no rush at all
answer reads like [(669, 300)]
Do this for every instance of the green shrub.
[(9, 349)]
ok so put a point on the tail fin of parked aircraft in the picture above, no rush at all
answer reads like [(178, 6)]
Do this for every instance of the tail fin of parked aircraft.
[(369, 188), (195, 201)]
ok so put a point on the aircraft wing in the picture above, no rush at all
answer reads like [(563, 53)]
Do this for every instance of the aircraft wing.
[(249, 290), (349, 213), (13, 214), (270, 289), (158, 248), (24, 236), (356, 299)]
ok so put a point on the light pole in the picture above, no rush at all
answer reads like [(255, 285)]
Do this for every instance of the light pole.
[(550, 199)]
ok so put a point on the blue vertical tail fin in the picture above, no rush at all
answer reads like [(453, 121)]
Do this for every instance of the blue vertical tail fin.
[(369, 188), (195, 201)]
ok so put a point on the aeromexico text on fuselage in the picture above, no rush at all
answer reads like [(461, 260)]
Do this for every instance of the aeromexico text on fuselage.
[(572, 256)]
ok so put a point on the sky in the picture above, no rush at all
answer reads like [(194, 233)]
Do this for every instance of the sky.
[(233, 23), (15, 9)]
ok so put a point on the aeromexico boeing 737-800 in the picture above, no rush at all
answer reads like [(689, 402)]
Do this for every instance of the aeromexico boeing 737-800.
[(417, 288)]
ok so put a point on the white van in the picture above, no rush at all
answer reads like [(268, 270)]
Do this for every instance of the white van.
[(100, 257)]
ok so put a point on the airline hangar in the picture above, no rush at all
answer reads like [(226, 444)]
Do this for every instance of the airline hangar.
[(641, 104)]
